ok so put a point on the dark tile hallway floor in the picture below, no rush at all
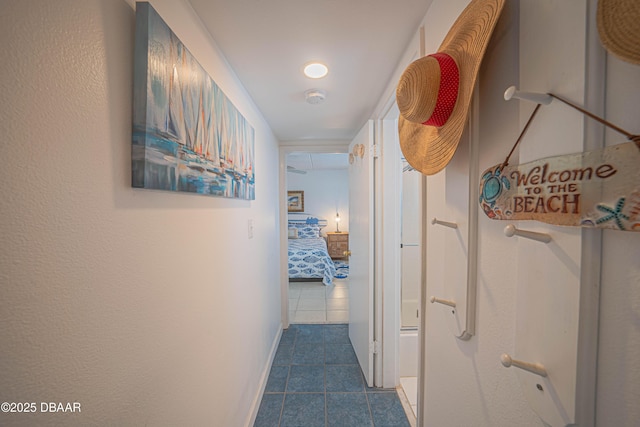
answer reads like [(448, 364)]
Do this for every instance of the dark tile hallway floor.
[(315, 380)]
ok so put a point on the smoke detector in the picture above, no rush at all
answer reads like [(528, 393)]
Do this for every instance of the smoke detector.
[(315, 96)]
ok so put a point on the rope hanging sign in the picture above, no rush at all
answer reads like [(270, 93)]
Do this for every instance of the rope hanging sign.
[(599, 188)]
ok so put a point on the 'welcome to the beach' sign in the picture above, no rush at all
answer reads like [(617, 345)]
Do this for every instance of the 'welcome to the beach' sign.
[(598, 188)]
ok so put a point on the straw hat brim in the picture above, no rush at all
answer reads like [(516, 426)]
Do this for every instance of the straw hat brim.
[(428, 148), (619, 28)]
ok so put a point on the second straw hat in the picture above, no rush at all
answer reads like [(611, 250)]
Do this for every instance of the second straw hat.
[(619, 28), (434, 92)]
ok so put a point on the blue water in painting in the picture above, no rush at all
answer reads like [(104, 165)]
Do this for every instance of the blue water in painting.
[(187, 134), (163, 164)]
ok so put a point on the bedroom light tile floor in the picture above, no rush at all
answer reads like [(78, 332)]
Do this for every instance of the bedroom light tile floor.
[(314, 302), (315, 380)]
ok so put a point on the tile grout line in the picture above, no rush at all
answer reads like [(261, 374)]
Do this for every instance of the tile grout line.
[(366, 395), (286, 384), (324, 350)]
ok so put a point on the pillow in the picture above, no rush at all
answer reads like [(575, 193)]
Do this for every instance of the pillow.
[(312, 221), (293, 233), (301, 219), (307, 231)]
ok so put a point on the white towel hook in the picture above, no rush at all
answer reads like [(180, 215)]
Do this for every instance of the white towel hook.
[(535, 368), (435, 221), (511, 230), (538, 98), (443, 301)]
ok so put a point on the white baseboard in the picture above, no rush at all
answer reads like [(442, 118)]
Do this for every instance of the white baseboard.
[(255, 405)]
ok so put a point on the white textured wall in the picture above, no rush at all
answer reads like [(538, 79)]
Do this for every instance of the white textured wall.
[(325, 192), (465, 382), (619, 347), (138, 304)]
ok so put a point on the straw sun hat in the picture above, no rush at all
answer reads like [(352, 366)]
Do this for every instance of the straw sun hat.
[(619, 28), (434, 92)]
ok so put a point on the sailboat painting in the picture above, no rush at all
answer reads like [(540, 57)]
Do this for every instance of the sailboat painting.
[(187, 135)]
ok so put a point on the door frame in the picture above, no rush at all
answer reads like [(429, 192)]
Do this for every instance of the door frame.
[(284, 150), (363, 309), (387, 242)]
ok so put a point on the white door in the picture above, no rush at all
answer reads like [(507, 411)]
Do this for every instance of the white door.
[(361, 247)]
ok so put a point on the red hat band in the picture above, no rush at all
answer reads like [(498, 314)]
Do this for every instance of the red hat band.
[(447, 92)]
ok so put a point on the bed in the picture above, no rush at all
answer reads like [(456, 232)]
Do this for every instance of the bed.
[(307, 251)]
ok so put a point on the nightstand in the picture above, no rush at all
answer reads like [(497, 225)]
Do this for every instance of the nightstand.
[(337, 243)]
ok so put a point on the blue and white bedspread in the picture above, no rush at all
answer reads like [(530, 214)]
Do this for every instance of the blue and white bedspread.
[(308, 258)]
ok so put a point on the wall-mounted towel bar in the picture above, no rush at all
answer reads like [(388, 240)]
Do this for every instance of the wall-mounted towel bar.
[(535, 368), (511, 230), (435, 221)]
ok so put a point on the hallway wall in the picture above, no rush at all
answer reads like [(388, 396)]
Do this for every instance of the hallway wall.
[(325, 193), (618, 375), (538, 46), (146, 307), (465, 382)]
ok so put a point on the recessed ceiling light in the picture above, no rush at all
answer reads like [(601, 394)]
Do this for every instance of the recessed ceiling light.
[(315, 70)]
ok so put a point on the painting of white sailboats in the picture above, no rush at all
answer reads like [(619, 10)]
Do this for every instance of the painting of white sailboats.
[(187, 135)]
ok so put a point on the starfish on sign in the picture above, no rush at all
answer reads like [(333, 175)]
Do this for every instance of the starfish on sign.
[(614, 214)]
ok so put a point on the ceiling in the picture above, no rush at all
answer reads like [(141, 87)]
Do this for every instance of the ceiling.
[(317, 161), (268, 42)]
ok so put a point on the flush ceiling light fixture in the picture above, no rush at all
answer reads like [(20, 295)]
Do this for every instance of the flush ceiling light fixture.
[(315, 70)]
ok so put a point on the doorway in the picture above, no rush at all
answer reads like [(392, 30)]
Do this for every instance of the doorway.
[(322, 181), (411, 274), (360, 307), (401, 256), (387, 259), (319, 175), (388, 302)]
